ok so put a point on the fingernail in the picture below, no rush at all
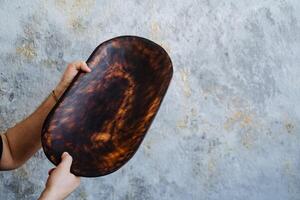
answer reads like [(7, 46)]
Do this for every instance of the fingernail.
[(65, 154)]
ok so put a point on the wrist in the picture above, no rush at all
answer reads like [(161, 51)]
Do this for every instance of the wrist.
[(49, 194), (59, 89)]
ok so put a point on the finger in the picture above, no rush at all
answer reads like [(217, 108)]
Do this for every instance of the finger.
[(85, 67), (66, 161), (81, 65), (50, 171)]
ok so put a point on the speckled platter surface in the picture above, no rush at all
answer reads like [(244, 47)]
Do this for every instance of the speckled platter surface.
[(103, 116)]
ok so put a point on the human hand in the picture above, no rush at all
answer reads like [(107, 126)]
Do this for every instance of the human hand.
[(69, 74), (61, 182)]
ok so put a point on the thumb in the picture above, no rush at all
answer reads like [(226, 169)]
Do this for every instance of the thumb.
[(66, 161)]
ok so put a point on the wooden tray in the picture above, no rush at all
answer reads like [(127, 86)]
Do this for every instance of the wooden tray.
[(103, 116)]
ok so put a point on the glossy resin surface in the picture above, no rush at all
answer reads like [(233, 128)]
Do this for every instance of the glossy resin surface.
[(103, 116)]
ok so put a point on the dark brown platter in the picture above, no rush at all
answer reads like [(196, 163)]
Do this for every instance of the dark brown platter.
[(103, 116)]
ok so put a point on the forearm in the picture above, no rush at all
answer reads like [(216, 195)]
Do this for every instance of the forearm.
[(23, 140)]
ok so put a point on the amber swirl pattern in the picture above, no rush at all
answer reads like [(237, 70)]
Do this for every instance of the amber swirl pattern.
[(103, 116)]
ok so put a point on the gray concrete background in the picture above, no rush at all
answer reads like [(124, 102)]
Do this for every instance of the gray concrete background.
[(229, 126)]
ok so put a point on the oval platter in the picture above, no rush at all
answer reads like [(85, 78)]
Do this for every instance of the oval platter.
[(103, 116)]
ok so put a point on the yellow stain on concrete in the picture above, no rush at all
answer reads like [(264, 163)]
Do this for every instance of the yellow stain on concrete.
[(155, 29), (194, 112), (75, 11), (211, 165), (212, 172), (184, 74), (190, 114), (239, 117), (242, 119), (75, 7), (76, 24), (27, 50), (156, 34), (289, 127), (183, 123)]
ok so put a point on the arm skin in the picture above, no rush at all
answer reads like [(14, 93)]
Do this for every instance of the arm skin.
[(24, 139), (61, 182)]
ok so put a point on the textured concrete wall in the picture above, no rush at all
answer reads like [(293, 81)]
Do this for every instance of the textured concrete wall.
[(229, 127)]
